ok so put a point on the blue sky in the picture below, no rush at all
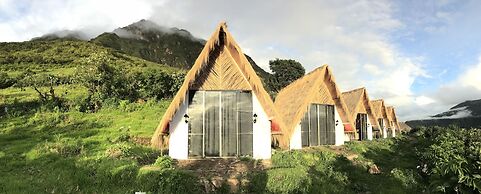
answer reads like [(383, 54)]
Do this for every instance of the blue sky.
[(420, 56)]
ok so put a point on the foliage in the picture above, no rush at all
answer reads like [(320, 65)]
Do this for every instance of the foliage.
[(451, 158), (104, 81), (47, 96), (164, 162), (284, 72)]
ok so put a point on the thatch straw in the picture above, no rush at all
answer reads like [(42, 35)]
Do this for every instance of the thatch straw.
[(293, 101), (379, 110), (392, 117), (357, 101), (222, 55)]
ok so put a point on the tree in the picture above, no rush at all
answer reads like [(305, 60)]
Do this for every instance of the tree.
[(44, 85), (284, 72)]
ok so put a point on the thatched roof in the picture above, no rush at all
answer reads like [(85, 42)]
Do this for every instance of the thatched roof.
[(357, 102), (318, 86), (379, 109), (217, 67), (391, 114)]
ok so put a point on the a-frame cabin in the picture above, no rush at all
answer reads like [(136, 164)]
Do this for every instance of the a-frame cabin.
[(379, 110), (313, 110), (221, 109), (361, 112)]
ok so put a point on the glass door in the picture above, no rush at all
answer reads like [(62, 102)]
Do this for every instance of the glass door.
[(220, 123)]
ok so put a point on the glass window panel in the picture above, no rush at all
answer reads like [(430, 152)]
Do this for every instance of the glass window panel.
[(314, 126), (305, 130), (322, 124), (229, 124), (245, 143), (212, 128), (195, 146), (331, 128), (244, 104)]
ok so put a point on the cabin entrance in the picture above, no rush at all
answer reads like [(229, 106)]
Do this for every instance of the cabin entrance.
[(220, 123), (361, 126), (317, 126), (378, 134)]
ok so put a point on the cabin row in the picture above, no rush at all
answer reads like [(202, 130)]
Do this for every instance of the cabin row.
[(223, 110)]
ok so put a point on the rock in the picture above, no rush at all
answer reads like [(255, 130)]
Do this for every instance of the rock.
[(374, 170), (233, 184), (352, 157)]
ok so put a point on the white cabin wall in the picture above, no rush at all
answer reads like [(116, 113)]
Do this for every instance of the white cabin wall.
[(339, 128), (296, 139), (262, 131), (384, 129), (369, 128), (393, 131), (179, 134)]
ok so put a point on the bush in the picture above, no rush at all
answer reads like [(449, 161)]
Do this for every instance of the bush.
[(451, 158), (408, 178), (164, 162)]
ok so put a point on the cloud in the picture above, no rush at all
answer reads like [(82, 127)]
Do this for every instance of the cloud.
[(356, 38), (423, 100), (464, 87), (28, 19), (472, 76)]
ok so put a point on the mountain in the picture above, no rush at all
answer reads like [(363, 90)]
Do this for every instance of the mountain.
[(147, 40), (171, 46), (470, 108), (63, 34), (466, 114)]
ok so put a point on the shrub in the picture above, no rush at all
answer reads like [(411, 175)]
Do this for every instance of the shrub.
[(408, 178), (164, 162), (451, 158)]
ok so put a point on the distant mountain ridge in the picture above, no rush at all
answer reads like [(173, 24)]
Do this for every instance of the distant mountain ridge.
[(470, 108), (147, 40), (171, 46), (466, 114)]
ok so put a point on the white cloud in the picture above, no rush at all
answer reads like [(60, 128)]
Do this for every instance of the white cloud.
[(353, 37), (472, 76), (35, 18), (423, 100)]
